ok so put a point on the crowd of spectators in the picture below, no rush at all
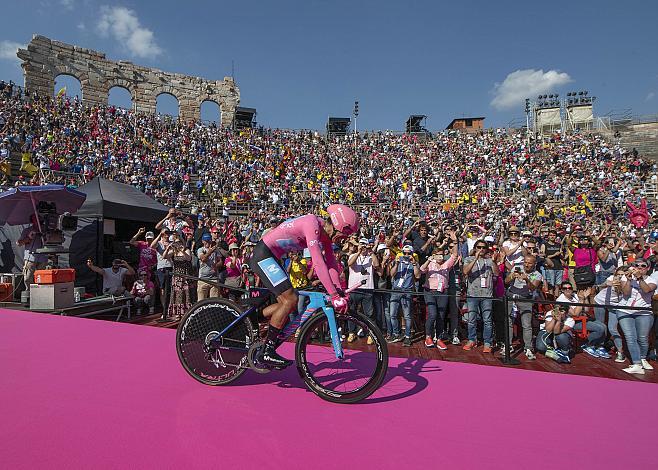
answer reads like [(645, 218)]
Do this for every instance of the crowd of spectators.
[(475, 216)]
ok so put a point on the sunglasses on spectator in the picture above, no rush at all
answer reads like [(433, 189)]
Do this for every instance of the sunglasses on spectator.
[(640, 265), (567, 288), (514, 233), (481, 247)]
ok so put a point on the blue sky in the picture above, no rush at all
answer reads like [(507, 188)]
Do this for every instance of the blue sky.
[(298, 62)]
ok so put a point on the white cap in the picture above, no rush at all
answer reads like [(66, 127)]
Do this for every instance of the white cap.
[(489, 239), (363, 241), (381, 246), (408, 248)]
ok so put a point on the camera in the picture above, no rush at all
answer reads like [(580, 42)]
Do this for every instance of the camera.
[(517, 269)]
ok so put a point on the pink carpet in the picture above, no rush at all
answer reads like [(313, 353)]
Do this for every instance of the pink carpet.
[(78, 393)]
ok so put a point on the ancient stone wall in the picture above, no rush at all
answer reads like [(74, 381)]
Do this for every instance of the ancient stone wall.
[(45, 59)]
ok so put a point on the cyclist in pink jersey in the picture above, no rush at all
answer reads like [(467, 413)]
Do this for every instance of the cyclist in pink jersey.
[(316, 234)]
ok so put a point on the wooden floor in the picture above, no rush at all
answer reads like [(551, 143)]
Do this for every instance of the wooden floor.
[(582, 363)]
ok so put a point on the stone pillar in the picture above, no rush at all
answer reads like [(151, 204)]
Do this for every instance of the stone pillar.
[(94, 92), (38, 78)]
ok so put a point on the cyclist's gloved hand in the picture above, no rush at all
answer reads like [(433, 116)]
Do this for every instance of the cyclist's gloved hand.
[(339, 303)]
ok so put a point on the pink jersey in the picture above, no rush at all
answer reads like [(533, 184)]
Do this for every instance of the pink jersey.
[(307, 232)]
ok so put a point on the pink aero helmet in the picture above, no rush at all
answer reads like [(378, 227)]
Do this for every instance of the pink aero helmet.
[(344, 219)]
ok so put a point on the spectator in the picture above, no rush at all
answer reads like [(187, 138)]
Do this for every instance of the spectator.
[(552, 252), (523, 282), (113, 277), (513, 248), (233, 264), (148, 256), (143, 291), (596, 329), (437, 269), (181, 259), (612, 295), (164, 267), (480, 271), (636, 324), (404, 273), (209, 263), (30, 238), (362, 266), (554, 334)]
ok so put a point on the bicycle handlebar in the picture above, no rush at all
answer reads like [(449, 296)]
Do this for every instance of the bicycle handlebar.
[(351, 289)]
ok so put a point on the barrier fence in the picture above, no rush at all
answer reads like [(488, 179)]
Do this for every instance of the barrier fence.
[(501, 317)]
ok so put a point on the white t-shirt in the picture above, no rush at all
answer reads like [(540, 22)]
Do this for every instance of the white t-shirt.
[(362, 265), (639, 298), (610, 296), (568, 321), (111, 280), (516, 257)]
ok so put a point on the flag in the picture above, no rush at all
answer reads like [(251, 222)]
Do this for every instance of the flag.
[(61, 92)]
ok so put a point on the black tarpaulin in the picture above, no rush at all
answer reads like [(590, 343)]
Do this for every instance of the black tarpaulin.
[(111, 200)]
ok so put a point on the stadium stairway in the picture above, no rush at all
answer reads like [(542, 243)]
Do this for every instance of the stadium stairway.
[(642, 137)]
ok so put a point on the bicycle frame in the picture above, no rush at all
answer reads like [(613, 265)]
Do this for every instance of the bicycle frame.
[(318, 301)]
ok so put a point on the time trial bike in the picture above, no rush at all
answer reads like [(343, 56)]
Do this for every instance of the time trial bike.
[(218, 340)]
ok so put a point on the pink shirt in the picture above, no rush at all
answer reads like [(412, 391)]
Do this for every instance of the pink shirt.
[(234, 271), (437, 274), (585, 256), (307, 232)]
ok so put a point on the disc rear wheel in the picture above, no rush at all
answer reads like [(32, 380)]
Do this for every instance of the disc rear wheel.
[(198, 333)]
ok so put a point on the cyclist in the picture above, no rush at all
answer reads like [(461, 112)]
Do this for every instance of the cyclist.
[(316, 234)]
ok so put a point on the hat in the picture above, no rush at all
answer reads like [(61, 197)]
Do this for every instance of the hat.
[(527, 233), (363, 241), (150, 235), (381, 246), (233, 246), (408, 248), (489, 239), (206, 237), (513, 228), (214, 230)]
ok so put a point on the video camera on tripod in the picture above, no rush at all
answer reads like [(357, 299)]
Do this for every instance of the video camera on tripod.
[(52, 226)]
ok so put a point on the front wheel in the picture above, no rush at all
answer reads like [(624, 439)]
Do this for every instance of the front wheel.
[(348, 380)]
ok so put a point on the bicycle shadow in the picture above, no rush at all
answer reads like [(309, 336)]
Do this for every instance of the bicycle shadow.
[(402, 380)]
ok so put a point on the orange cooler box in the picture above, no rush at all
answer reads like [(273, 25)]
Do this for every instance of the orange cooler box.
[(6, 292), (54, 276)]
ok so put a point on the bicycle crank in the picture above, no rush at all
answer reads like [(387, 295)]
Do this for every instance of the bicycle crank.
[(252, 356)]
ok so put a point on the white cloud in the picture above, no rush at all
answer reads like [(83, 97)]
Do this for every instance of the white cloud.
[(123, 25), (81, 26), (527, 83), (8, 50), (650, 96), (67, 4)]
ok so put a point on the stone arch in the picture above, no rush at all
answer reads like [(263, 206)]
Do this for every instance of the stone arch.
[(44, 59), (114, 99), (166, 105), (63, 80), (209, 115)]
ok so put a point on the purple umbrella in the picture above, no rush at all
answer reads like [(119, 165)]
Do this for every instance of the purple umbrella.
[(18, 204)]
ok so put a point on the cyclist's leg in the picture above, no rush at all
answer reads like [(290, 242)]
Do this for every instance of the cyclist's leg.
[(274, 278)]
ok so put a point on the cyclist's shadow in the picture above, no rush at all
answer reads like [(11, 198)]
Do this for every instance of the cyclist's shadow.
[(402, 380)]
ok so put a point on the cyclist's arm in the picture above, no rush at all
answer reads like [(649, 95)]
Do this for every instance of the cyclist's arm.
[(326, 269)]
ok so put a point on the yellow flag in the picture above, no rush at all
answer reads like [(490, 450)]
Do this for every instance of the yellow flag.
[(61, 92)]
